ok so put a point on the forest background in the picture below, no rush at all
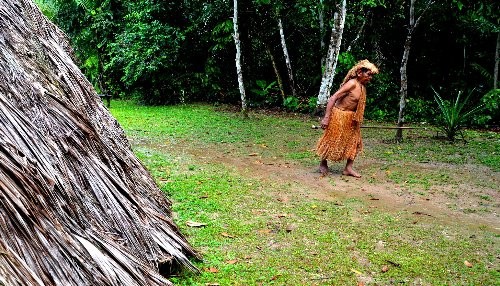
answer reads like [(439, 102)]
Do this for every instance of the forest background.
[(169, 52)]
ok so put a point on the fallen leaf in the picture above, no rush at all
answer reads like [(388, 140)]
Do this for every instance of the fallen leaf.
[(380, 245), (275, 277), (356, 271), (195, 224), (225, 234), (291, 227), (361, 284), (253, 154), (211, 270), (283, 199), (385, 268), (232, 261), (468, 264), (264, 231)]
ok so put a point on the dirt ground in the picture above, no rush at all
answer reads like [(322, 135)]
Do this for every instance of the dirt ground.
[(472, 198)]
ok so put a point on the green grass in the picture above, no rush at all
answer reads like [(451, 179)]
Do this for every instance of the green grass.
[(253, 238)]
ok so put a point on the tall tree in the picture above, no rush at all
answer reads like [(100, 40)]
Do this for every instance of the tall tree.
[(288, 62), (333, 53), (239, 71), (497, 61), (403, 92), (92, 28), (481, 17)]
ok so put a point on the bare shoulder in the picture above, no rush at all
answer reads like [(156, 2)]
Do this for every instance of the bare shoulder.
[(348, 86), (352, 83)]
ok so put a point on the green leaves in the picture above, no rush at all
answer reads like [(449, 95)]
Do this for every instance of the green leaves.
[(262, 2), (453, 114)]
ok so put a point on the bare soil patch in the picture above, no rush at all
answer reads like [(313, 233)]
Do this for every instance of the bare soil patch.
[(470, 196)]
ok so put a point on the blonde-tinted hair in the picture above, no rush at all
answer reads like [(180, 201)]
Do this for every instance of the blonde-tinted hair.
[(363, 64)]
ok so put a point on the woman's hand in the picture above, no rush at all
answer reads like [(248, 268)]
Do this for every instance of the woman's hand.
[(324, 122)]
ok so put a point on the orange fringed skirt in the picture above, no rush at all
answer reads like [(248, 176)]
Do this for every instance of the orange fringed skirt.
[(341, 139)]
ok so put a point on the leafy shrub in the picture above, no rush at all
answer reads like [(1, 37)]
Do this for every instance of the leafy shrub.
[(312, 104), (382, 99), (291, 103), (491, 102), (377, 115), (453, 116), (265, 93), (419, 110)]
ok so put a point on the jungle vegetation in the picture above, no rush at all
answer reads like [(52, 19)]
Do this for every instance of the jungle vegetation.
[(170, 52)]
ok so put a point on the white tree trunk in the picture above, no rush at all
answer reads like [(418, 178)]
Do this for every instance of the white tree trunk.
[(287, 58), (333, 53), (358, 35), (238, 59)]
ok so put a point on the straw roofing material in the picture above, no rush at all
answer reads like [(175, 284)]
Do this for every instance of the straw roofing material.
[(76, 206)]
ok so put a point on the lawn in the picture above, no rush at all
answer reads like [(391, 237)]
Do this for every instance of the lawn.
[(247, 195)]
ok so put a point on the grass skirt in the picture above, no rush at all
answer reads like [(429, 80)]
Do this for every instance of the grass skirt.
[(341, 139)]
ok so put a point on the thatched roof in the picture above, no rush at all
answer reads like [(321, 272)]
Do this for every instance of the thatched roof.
[(76, 206)]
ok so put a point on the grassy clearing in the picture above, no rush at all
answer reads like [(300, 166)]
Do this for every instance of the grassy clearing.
[(254, 237)]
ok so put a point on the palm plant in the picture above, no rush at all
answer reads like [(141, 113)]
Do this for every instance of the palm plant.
[(453, 114)]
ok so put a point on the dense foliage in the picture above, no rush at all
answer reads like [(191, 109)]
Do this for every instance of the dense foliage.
[(180, 51)]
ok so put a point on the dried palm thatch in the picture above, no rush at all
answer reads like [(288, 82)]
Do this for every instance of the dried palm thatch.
[(76, 205)]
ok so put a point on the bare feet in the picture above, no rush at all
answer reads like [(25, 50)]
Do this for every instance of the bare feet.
[(351, 172), (323, 168)]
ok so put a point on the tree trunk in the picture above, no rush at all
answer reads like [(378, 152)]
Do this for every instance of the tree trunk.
[(333, 53), (238, 60), (404, 87), (77, 206), (403, 92), (287, 58), (358, 35), (497, 60), (277, 73), (322, 33)]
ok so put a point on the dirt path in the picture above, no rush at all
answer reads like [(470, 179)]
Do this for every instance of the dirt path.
[(458, 203), (470, 196)]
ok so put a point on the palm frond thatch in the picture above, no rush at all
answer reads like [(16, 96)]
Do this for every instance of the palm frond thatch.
[(76, 205)]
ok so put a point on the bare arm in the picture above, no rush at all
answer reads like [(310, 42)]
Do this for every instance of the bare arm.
[(340, 93)]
